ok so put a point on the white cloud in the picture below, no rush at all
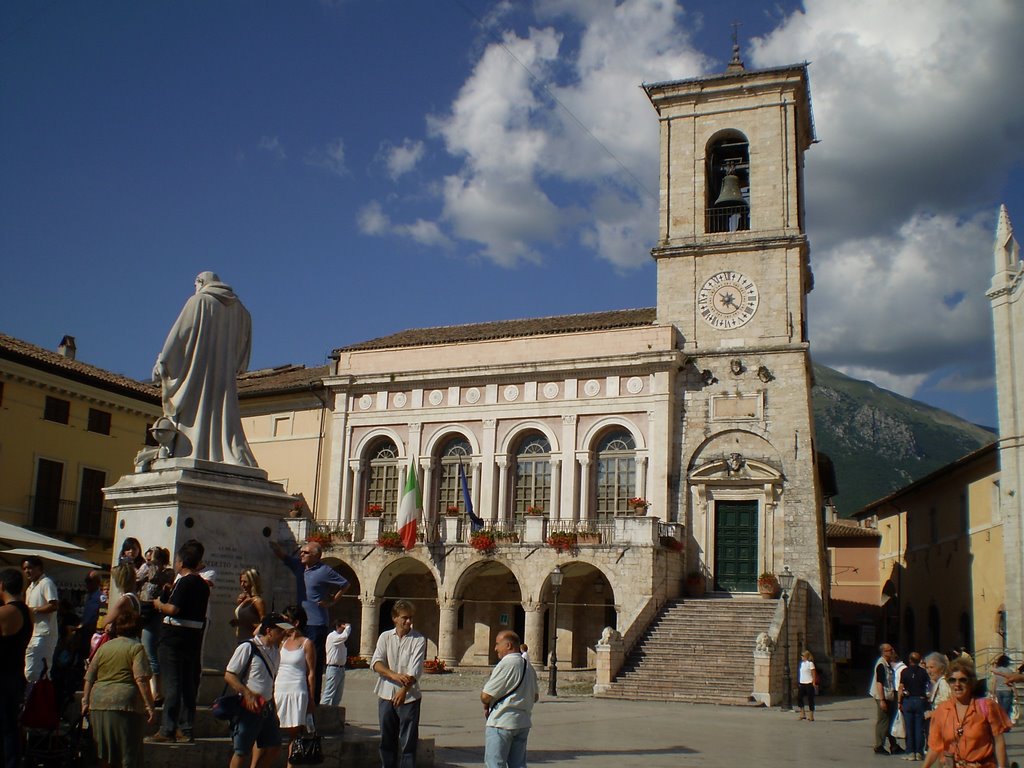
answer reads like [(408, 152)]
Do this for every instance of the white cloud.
[(372, 220), (272, 145), (901, 385), (403, 159), (331, 157)]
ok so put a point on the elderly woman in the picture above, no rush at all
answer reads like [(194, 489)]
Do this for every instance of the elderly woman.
[(117, 696), (251, 608), (966, 731), (935, 664)]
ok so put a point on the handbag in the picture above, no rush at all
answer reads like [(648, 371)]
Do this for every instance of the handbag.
[(41, 704), (899, 727), (307, 748)]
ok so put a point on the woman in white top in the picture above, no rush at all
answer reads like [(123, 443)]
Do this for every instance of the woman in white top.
[(807, 687), (294, 684), (935, 665)]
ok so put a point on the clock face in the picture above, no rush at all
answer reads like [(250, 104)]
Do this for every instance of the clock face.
[(727, 300)]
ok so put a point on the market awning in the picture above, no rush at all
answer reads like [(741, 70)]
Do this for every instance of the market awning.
[(52, 557)]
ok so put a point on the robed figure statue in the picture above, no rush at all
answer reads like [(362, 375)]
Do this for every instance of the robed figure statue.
[(206, 349)]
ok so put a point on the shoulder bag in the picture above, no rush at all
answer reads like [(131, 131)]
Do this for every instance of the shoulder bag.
[(228, 706)]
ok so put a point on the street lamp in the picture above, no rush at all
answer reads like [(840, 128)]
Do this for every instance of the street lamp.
[(786, 579), (556, 584)]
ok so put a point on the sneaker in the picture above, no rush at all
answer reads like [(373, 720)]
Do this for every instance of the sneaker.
[(159, 738), (881, 751)]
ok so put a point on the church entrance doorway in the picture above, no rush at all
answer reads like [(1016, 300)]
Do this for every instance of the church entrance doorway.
[(736, 546)]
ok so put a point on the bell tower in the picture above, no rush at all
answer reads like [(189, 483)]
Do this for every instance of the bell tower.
[(733, 278)]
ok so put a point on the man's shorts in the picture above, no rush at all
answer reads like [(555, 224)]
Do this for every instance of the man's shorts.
[(262, 730)]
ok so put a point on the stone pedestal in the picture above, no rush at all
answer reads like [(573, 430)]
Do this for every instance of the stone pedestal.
[(536, 529), (233, 511)]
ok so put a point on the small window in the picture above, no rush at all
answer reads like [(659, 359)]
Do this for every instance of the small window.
[(282, 426), (57, 410), (99, 421)]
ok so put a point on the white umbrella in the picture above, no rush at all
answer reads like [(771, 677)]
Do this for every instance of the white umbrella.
[(52, 557), (14, 535)]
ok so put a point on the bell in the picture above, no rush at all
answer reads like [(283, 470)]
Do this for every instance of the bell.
[(730, 194)]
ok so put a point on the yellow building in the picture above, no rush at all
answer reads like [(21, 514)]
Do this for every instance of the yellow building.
[(67, 429), (940, 559)]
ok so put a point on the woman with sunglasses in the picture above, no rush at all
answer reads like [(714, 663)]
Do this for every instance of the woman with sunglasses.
[(966, 732)]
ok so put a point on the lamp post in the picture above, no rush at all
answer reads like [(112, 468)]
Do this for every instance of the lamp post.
[(786, 579), (556, 584)]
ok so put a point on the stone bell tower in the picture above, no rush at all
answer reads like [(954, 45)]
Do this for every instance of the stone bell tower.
[(733, 278)]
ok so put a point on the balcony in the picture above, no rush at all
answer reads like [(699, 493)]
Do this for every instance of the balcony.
[(50, 514)]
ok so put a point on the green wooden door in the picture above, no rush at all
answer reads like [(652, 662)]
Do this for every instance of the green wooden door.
[(736, 546)]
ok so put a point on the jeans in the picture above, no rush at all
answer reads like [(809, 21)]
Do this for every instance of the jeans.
[(805, 692), (913, 718), (318, 636), (399, 733), (505, 747), (1005, 699), (334, 686), (151, 642), (180, 655)]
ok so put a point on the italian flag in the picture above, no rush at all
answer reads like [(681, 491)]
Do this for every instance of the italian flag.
[(409, 508)]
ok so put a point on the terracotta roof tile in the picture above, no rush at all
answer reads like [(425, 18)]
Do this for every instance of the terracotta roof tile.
[(505, 329), (846, 530), (53, 362), (283, 378)]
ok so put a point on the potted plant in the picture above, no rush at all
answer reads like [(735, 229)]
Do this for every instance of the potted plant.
[(534, 511), (588, 537), (435, 666), (452, 510), (357, 662), (696, 584), (390, 540), (639, 505), (562, 541), (483, 541), (374, 510), (768, 585), (320, 536)]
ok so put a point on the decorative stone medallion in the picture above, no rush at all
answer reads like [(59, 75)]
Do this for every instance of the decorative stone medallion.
[(635, 385), (366, 402), (436, 397), (511, 393), (472, 395), (550, 390), (400, 400), (592, 388)]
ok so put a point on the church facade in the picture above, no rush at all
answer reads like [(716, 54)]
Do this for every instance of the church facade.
[(629, 449)]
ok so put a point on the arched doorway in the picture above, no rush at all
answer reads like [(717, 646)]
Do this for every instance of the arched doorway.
[(348, 608), (586, 605), (409, 579), (490, 600)]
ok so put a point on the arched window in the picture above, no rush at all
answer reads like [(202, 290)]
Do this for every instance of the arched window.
[(615, 474), (449, 490), (728, 184), (532, 476), (382, 479)]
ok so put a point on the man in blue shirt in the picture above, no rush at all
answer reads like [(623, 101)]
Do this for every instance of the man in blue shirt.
[(322, 587)]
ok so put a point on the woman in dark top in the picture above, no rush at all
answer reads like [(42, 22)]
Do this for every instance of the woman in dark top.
[(15, 632), (913, 703)]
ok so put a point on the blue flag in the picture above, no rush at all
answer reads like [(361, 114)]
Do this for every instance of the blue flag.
[(475, 523)]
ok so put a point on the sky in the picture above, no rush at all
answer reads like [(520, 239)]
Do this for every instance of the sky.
[(356, 167)]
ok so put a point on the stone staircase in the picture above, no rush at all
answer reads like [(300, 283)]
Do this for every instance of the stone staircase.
[(698, 651)]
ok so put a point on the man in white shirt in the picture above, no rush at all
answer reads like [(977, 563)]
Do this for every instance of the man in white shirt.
[(41, 599), (251, 672), (398, 660), (337, 657), (508, 698)]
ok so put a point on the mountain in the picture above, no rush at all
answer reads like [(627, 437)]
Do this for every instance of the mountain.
[(880, 441)]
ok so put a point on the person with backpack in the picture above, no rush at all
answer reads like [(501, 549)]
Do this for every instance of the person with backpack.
[(251, 673)]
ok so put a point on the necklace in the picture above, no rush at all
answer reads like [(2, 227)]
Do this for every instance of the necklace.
[(960, 719)]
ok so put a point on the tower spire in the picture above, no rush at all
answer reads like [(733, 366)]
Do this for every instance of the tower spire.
[(736, 65)]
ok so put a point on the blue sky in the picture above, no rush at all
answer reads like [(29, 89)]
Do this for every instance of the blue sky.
[(353, 168)]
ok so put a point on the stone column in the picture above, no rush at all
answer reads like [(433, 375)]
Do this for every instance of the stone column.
[(501, 513), (485, 509), (429, 502), (641, 480), (533, 633), (356, 470), (475, 488), (569, 490), (448, 623), (340, 437), (583, 459), (556, 488), (369, 628)]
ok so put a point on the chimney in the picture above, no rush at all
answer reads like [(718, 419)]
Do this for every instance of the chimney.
[(67, 348)]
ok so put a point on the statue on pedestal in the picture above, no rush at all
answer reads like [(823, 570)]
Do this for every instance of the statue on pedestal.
[(207, 347)]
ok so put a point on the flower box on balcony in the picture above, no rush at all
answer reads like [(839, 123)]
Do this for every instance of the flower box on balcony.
[(562, 541)]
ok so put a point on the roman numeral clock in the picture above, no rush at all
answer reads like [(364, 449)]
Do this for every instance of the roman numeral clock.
[(727, 300)]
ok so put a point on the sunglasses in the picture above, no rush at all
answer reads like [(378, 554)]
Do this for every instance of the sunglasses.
[(958, 680)]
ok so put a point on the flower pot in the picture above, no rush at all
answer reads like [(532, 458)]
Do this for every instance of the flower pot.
[(696, 586), (768, 589)]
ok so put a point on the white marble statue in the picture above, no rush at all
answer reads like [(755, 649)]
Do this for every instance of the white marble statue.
[(206, 349)]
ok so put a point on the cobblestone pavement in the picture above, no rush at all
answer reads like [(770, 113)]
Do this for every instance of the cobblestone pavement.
[(578, 730)]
